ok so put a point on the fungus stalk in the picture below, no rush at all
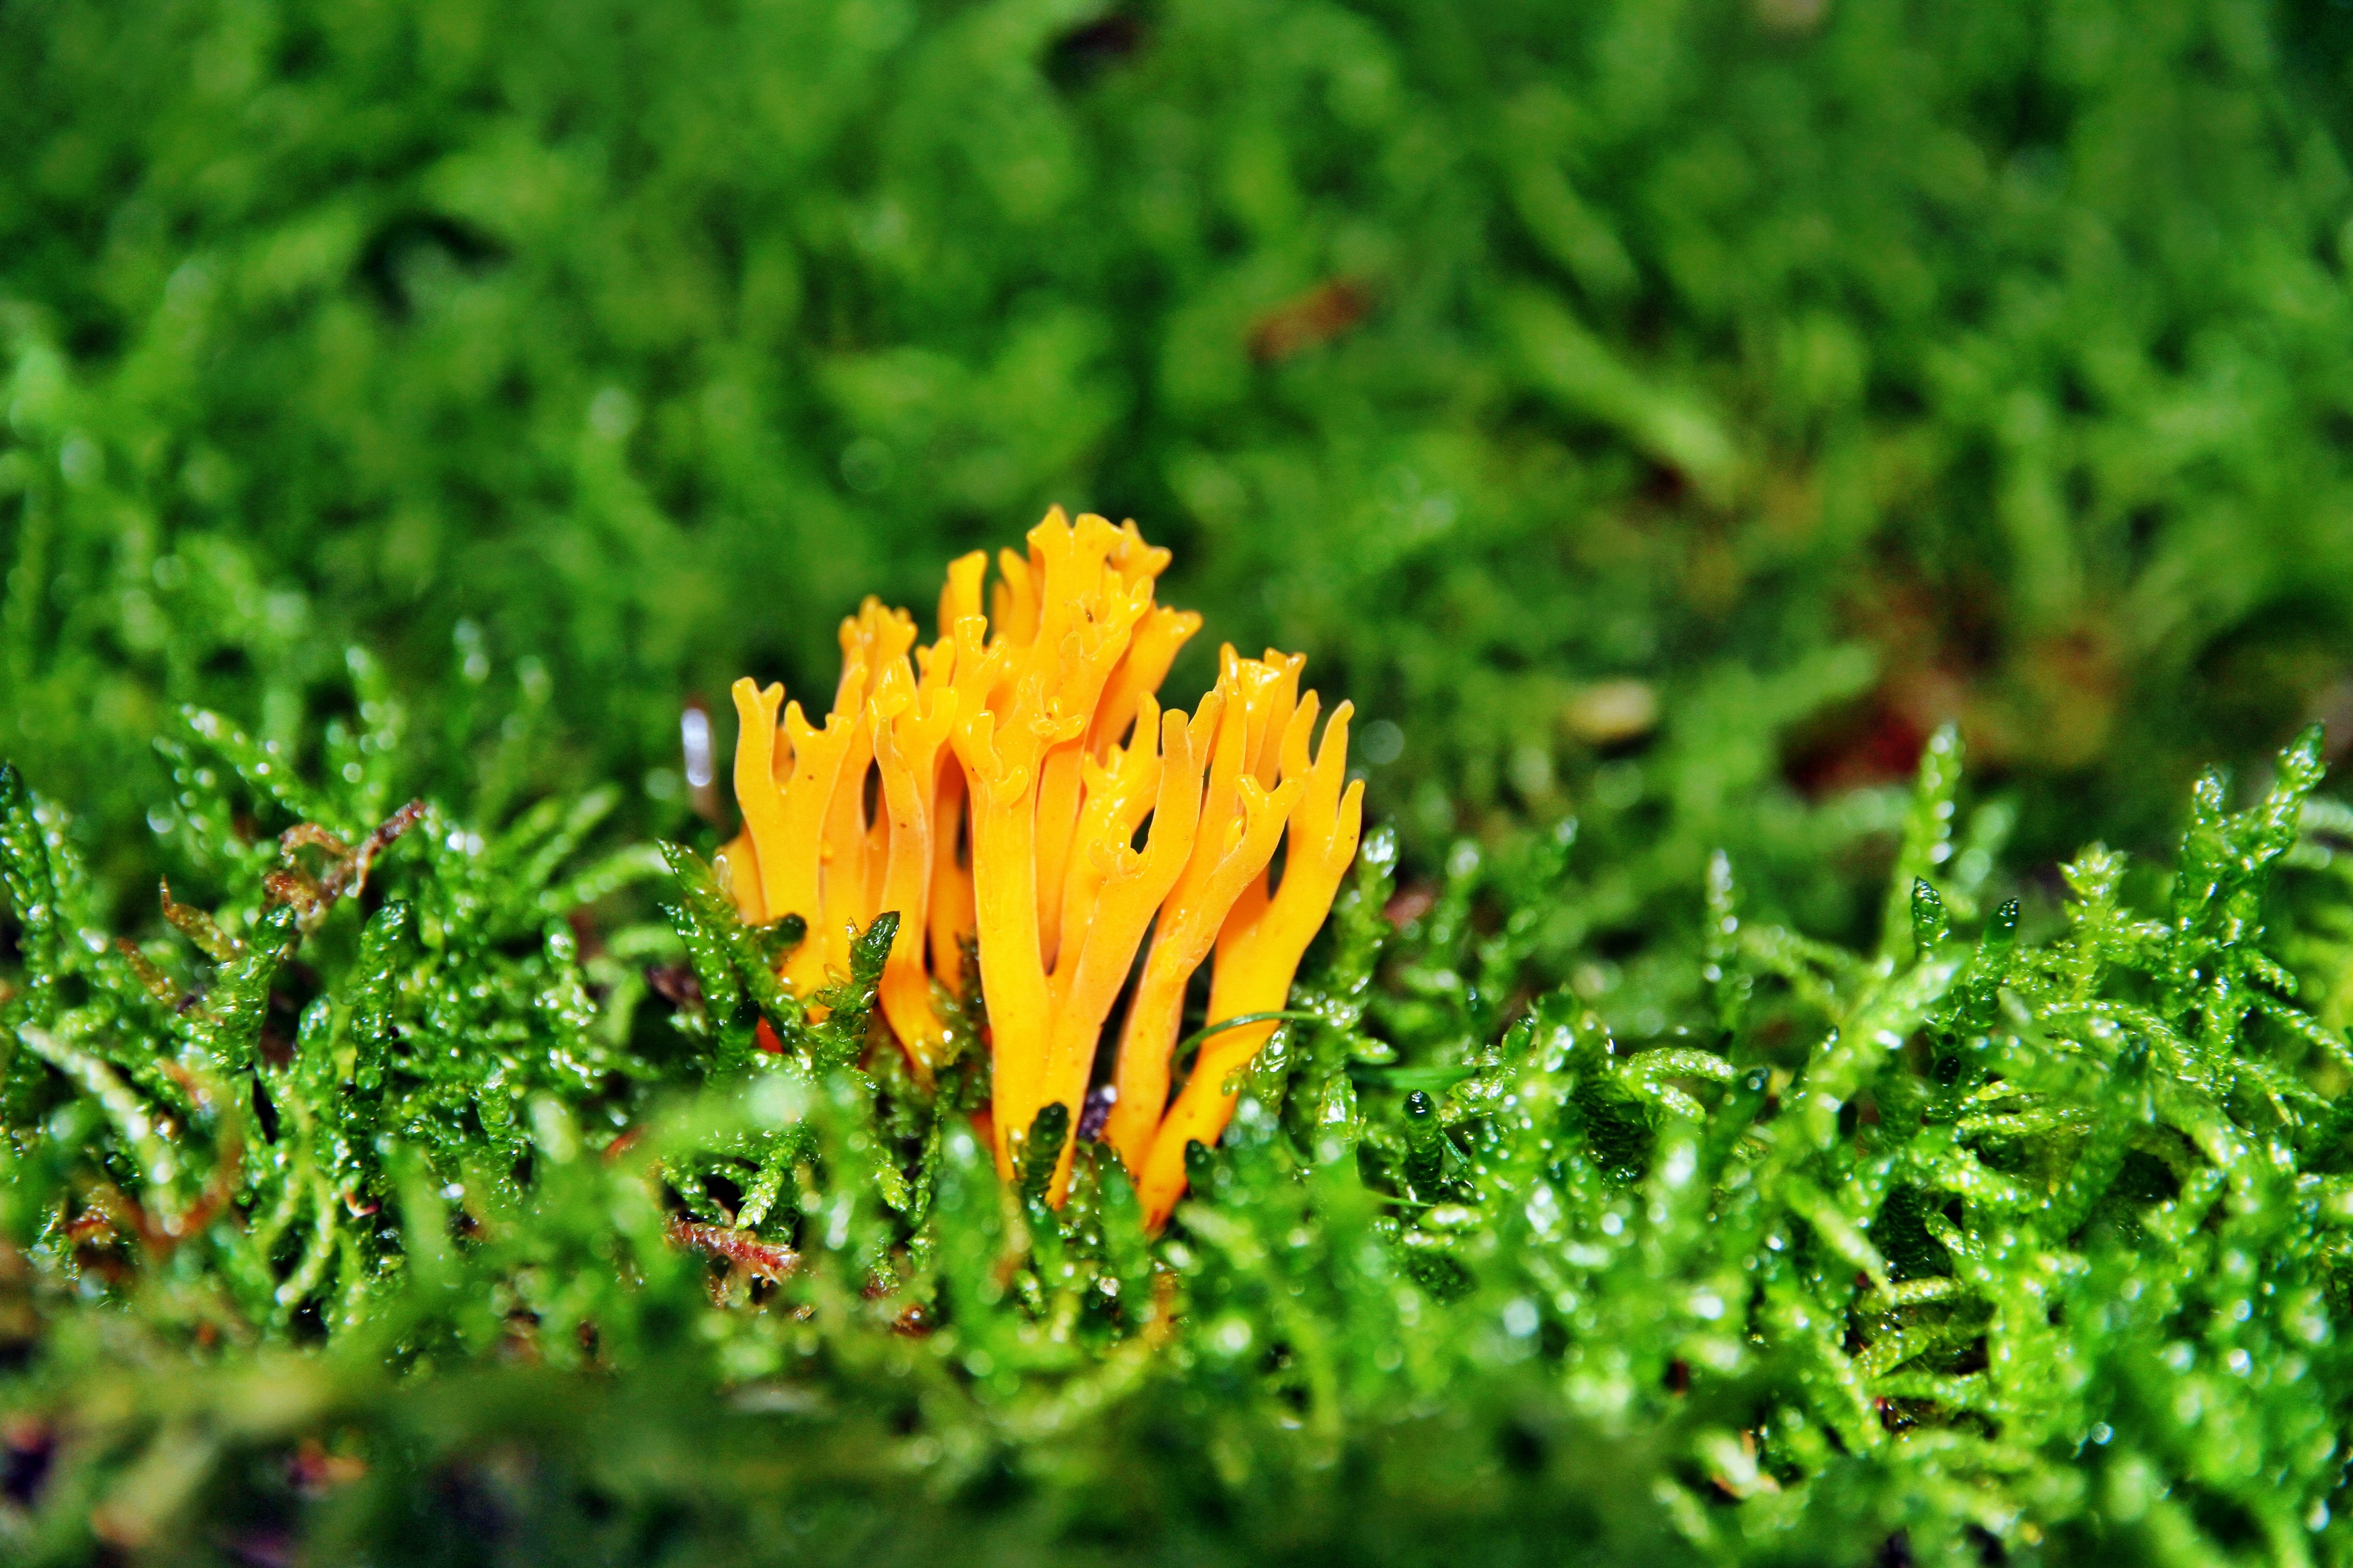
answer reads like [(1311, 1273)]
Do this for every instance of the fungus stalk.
[(1021, 755)]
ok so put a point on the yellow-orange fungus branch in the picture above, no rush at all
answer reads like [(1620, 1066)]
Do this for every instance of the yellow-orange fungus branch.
[(1031, 796)]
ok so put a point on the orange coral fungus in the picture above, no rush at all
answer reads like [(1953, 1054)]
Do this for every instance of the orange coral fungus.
[(1021, 756)]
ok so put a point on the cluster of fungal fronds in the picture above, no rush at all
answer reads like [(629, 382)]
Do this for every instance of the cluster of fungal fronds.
[(1021, 755)]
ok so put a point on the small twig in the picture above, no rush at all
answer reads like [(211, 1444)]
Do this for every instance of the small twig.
[(376, 843), (746, 1251), (346, 870)]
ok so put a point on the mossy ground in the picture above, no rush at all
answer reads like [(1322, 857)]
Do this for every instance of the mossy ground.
[(1729, 1130)]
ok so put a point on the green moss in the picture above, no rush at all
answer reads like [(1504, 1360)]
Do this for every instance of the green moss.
[(2026, 1247)]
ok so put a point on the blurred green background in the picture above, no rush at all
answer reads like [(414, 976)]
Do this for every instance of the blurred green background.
[(1664, 413)]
